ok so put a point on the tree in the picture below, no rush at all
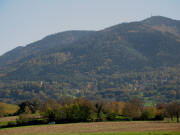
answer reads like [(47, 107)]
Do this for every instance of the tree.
[(173, 110), (133, 108), (99, 109), (65, 100), (87, 109), (149, 113), (169, 110), (27, 107), (50, 109), (177, 110), (1, 110)]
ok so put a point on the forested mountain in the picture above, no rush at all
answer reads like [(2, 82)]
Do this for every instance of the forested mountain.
[(130, 59), (45, 46)]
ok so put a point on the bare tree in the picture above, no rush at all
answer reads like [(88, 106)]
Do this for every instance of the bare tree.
[(133, 108), (169, 110), (1, 110), (173, 110)]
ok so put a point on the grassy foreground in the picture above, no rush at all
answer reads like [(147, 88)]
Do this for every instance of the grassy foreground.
[(116, 133)]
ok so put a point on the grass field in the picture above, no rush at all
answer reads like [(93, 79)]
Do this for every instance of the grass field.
[(4, 120), (98, 128), (9, 108)]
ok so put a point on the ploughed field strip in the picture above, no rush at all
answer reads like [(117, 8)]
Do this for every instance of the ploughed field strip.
[(94, 127), (11, 118)]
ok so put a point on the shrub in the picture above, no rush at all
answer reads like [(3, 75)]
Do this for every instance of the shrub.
[(12, 123), (148, 113), (111, 116), (27, 119), (159, 117), (101, 116)]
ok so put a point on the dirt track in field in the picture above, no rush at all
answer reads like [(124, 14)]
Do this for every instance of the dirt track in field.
[(12, 118), (94, 127)]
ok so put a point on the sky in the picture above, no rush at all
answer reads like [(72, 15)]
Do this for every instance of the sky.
[(25, 21)]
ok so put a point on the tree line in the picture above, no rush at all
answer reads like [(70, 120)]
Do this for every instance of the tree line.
[(83, 110), (69, 110)]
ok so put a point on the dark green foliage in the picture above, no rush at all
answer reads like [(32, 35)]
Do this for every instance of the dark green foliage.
[(159, 117), (27, 107), (25, 119), (12, 124)]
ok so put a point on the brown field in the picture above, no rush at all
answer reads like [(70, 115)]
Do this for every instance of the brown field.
[(94, 127)]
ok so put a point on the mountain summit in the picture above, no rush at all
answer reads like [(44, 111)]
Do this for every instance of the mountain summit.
[(159, 20)]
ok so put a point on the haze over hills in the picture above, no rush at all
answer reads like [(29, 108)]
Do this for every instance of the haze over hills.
[(129, 59)]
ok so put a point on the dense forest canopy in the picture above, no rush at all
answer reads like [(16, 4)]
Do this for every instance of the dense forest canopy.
[(130, 59)]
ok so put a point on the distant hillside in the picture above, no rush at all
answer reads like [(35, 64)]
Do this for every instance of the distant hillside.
[(48, 44), (80, 62)]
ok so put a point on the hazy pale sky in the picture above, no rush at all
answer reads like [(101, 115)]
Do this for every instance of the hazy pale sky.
[(25, 21)]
